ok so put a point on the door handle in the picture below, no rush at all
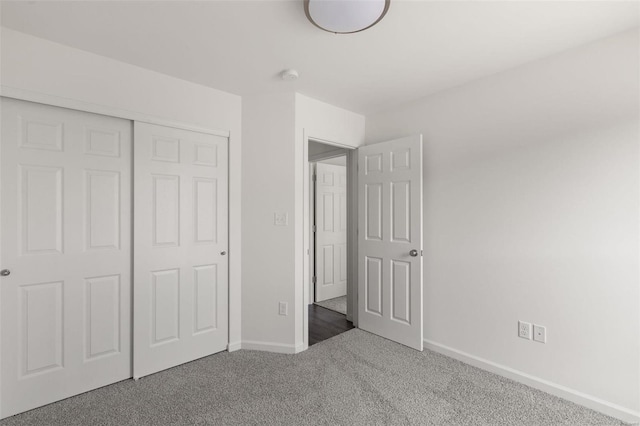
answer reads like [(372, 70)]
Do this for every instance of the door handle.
[(413, 253), (223, 253), (5, 273)]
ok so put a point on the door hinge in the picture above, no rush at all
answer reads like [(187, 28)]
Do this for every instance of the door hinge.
[(315, 177), (313, 279), (314, 228)]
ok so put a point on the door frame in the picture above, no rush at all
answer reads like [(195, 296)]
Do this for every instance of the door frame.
[(304, 228), (233, 203)]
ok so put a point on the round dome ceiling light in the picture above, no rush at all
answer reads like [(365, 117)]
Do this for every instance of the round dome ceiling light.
[(289, 75), (345, 16)]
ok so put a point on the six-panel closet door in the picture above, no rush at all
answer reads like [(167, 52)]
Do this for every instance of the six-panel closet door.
[(65, 297), (180, 245)]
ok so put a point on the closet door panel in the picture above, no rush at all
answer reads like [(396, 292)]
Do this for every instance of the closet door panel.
[(181, 269), (66, 238)]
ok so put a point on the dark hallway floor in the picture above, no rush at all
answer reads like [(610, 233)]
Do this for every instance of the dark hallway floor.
[(325, 323)]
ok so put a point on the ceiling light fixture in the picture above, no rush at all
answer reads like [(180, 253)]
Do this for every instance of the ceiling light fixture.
[(345, 16)]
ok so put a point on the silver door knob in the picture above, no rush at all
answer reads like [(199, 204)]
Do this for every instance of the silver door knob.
[(223, 253), (5, 272), (413, 253)]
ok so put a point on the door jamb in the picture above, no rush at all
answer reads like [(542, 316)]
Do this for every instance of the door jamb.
[(311, 252)]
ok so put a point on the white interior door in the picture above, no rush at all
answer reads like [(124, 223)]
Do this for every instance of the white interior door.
[(180, 244), (331, 231), (390, 240), (66, 239)]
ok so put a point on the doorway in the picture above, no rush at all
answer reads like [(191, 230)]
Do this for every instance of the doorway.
[(328, 249), (384, 263)]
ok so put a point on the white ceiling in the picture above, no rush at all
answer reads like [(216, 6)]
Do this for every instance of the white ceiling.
[(419, 48)]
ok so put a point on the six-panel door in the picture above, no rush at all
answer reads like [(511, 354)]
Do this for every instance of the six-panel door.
[(331, 231), (180, 244), (66, 238), (390, 240)]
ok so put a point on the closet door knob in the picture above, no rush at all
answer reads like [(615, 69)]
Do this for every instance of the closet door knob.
[(413, 253), (223, 253), (5, 273)]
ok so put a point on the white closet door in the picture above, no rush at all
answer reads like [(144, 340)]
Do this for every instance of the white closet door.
[(180, 244), (65, 237), (331, 231)]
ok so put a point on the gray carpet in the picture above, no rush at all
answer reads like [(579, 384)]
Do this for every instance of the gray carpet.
[(339, 304), (355, 378)]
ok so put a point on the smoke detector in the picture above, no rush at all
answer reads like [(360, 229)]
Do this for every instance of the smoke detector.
[(289, 75)]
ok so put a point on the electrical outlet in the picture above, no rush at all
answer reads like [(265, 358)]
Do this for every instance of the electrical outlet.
[(282, 308), (540, 333), (280, 219), (524, 330)]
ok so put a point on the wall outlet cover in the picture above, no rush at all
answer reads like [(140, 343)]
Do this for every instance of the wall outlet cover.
[(524, 330), (540, 333)]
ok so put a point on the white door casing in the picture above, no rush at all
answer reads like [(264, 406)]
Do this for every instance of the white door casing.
[(390, 227), (66, 238), (180, 244), (331, 231)]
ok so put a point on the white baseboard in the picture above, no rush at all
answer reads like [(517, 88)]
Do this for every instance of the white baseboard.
[(234, 346), (279, 348), (564, 392)]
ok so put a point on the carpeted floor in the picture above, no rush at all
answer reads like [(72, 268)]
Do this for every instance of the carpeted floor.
[(339, 304), (355, 378)]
